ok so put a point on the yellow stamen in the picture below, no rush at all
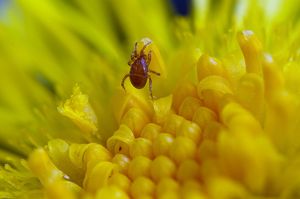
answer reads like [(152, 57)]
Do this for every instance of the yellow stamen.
[(139, 166), (167, 188), (183, 90), (162, 167), (141, 146), (150, 131), (162, 144), (162, 107), (182, 148), (172, 124), (204, 115), (188, 107), (211, 90), (135, 119), (252, 51), (208, 66), (190, 130), (142, 186)]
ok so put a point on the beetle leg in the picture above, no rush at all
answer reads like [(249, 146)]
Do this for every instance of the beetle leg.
[(154, 72), (130, 62), (144, 47), (123, 81), (134, 53), (149, 58), (150, 86)]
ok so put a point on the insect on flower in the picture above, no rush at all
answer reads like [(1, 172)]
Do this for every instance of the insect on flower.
[(139, 71)]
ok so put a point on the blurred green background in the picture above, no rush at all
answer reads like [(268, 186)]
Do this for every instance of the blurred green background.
[(48, 46)]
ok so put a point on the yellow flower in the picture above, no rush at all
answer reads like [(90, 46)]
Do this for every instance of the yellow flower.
[(223, 123)]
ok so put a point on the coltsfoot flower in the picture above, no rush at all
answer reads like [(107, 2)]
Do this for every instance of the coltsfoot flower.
[(216, 143), (224, 124)]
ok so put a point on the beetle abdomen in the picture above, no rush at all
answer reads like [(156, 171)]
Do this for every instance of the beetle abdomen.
[(138, 73), (138, 81)]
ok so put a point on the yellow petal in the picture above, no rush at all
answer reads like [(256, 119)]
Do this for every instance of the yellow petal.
[(79, 110), (121, 140), (41, 165), (99, 176)]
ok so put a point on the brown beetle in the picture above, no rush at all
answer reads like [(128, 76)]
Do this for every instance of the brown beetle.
[(139, 71)]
